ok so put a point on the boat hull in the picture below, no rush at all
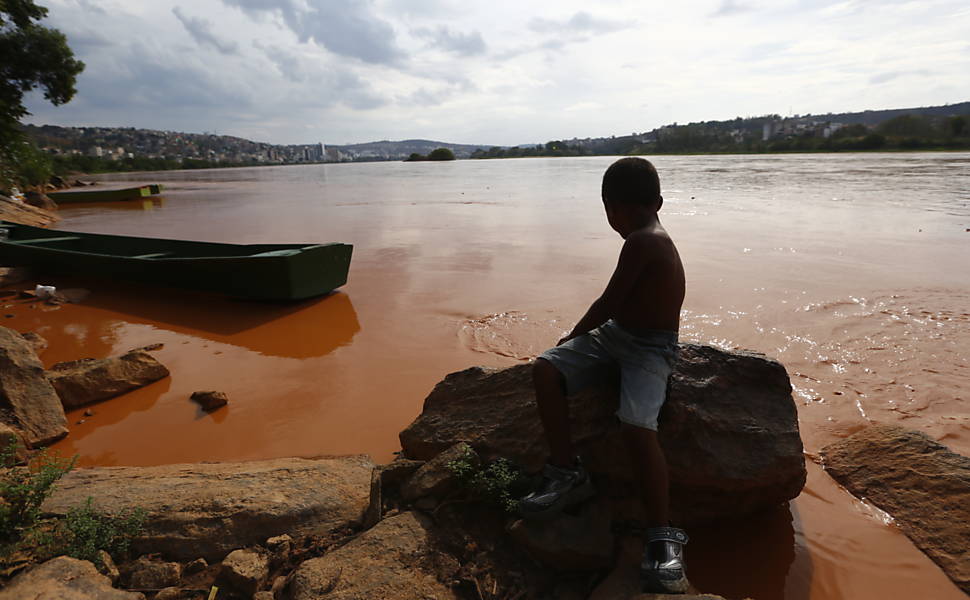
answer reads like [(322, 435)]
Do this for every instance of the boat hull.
[(262, 272), (69, 196)]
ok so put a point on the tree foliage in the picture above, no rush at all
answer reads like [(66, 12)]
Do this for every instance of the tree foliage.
[(441, 154), (436, 154), (33, 56)]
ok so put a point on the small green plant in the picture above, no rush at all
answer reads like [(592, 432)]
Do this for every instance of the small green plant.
[(85, 531), (22, 491), (82, 533), (495, 483)]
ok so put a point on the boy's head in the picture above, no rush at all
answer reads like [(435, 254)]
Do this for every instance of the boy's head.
[(632, 181)]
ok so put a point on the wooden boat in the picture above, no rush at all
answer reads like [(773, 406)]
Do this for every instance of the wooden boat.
[(96, 195), (258, 271)]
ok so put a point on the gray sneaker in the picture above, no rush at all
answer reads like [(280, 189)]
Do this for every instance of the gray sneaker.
[(560, 488), (662, 570)]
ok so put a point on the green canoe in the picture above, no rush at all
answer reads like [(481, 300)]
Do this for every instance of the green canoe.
[(88, 195), (260, 271)]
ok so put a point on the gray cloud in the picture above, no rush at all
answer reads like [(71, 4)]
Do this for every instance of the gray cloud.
[(890, 75), (465, 44), (285, 62), (345, 28), (322, 86), (92, 7), (730, 7), (582, 22), (201, 32), (579, 28), (765, 51), (434, 9)]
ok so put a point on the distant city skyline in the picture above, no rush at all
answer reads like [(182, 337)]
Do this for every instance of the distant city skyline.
[(501, 73)]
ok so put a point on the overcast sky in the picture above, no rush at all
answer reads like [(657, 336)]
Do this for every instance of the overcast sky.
[(497, 72)]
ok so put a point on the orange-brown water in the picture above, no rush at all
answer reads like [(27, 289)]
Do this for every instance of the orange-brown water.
[(850, 269)]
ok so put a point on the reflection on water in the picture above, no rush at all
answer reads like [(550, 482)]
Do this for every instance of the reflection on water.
[(258, 353), (304, 329), (139, 204), (765, 543)]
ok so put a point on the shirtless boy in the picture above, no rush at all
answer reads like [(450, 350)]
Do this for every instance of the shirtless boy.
[(634, 325)]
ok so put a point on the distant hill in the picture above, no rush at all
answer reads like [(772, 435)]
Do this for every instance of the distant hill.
[(118, 143), (404, 148), (173, 144), (875, 117)]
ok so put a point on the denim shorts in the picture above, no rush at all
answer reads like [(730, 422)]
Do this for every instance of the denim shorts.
[(645, 361)]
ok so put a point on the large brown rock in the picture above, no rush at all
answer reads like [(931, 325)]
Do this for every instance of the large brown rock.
[(149, 573), (37, 341), (435, 477), (581, 541), (729, 429), (88, 380), (245, 570), (40, 200), (27, 400), (383, 479), (208, 510), (64, 578), (8, 436), (394, 559), (922, 484), (25, 214)]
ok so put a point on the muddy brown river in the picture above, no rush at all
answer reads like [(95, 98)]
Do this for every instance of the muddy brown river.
[(851, 269)]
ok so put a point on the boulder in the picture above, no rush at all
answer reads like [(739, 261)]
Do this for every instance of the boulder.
[(196, 566), (25, 214), (88, 380), (207, 510), (40, 200), (149, 573), (37, 341), (210, 400), (8, 436), (729, 430), (394, 559), (107, 567), (244, 571), (64, 578), (386, 479), (581, 541), (280, 545), (923, 485), (27, 400), (435, 477), (170, 593)]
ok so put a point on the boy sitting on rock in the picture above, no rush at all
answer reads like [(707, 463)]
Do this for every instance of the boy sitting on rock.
[(633, 325)]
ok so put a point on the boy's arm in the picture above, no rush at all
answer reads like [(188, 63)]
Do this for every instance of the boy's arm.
[(632, 262)]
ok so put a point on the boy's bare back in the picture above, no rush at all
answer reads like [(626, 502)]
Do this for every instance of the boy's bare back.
[(657, 292)]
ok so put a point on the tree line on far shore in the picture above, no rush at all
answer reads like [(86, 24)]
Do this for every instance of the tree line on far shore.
[(905, 132), (436, 154)]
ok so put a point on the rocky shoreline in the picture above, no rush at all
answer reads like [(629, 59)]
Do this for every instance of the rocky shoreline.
[(343, 527), (34, 207)]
